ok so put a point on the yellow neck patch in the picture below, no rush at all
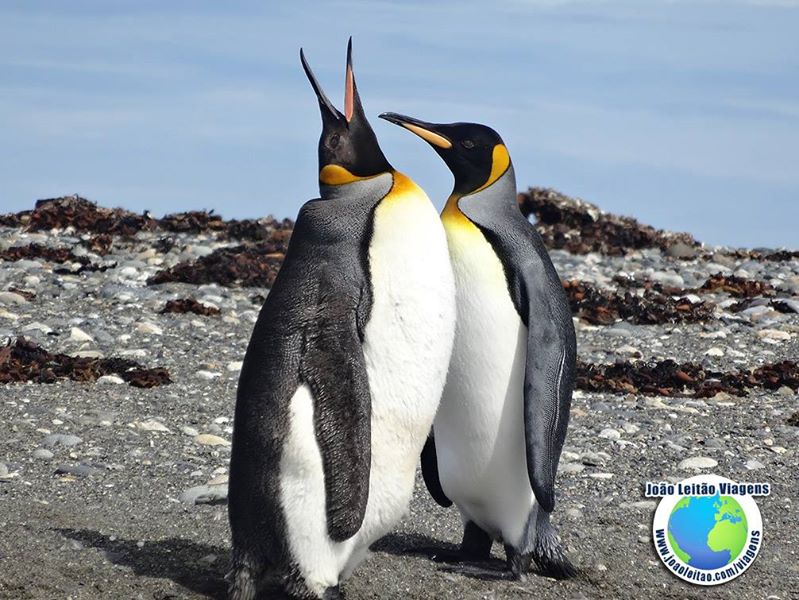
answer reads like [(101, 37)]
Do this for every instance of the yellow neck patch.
[(500, 161), (337, 175)]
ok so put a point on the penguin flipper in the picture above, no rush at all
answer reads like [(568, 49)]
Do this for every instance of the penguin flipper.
[(430, 472), (334, 367)]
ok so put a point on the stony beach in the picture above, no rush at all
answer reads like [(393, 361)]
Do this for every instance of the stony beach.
[(113, 483)]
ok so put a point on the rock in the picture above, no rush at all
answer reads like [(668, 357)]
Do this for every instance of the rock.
[(148, 328), (151, 425), (785, 391), (4, 474), (207, 439), (601, 475), (205, 494), (12, 298), (76, 470), (753, 465), (774, 334), (610, 434), (697, 462), (191, 431), (42, 454), (594, 459), (235, 365), (61, 439), (791, 303), (208, 375), (110, 380), (78, 335), (714, 351), (36, 326)]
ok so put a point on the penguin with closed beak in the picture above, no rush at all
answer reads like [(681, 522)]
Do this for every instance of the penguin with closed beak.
[(343, 373), (502, 421)]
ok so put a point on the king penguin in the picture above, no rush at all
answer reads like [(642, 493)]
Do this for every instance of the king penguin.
[(499, 431), (343, 373)]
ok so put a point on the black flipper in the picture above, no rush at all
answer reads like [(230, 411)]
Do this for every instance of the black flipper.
[(334, 368), (541, 302), (430, 472)]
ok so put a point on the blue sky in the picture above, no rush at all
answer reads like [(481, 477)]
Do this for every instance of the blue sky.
[(682, 114)]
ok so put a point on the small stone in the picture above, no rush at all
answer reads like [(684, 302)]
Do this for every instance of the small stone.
[(644, 539), (601, 475), (151, 425), (61, 439), (631, 428), (12, 298), (574, 513), (191, 431), (76, 470), (714, 351), (36, 326), (594, 459), (78, 335), (208, 375), (205, 494), (110, 380), (610, 434), (785, 391), (148, 328), (773, 334), (42, 454), (4, 474), (208, 439), (235, 365), (754, 465), (697, 462), (778, 449), (601, 567)]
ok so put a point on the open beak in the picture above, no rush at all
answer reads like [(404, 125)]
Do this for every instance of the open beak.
[(352, 101), (427, 131)]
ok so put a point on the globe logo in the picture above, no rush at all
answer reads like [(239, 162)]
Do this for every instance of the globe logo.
[(707, 529), (707, 532)]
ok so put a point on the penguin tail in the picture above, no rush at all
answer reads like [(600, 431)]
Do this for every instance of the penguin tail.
[(548, 552), (242, 584)]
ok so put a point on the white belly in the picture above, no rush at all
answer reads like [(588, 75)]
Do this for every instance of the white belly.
[(479, 428), (407, 346)]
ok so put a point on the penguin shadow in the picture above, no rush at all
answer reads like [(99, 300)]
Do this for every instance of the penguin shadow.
[(183, 561)]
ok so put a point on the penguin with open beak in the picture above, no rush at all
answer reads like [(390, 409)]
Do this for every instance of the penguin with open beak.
[(344, 370), (499, 431)]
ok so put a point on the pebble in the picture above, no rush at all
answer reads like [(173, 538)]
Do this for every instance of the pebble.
[(148, 328), (594, 459), (42, 454), (774, 334), (610, 434), (3, 471), (36, 326), (76, 470), (754, 465), (78, 335), (698, 462), (601, 475), (61, 439), (208, 375), (110, 379), (191, 431), (151, 425), (235, 365), (205, 494), (714, 351), (208, 439), (12, 298)]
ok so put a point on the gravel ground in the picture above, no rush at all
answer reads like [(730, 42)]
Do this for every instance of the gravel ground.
[(109, 491)]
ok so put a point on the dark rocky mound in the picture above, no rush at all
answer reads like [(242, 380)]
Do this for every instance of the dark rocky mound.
[(254, 265), (24, 360), (580, 227), (84, 216), (602, 307), (668, 378)]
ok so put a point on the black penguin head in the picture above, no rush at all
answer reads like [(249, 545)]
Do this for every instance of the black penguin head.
[(348, 148), (474, 153)]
